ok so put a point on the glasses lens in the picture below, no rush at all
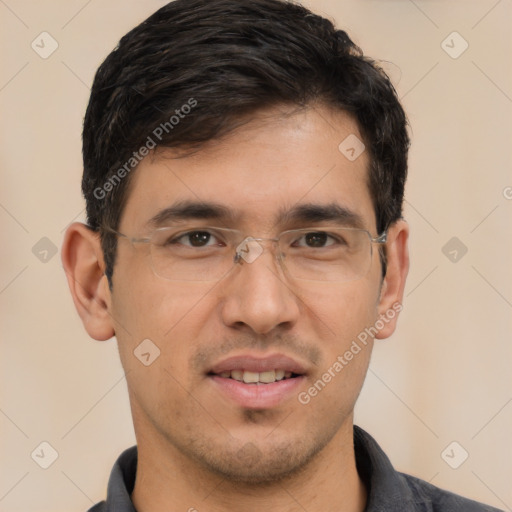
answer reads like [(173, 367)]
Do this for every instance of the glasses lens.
[(338, 255), (202, 254)]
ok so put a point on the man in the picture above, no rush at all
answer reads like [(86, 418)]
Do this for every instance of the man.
[(244, 167)]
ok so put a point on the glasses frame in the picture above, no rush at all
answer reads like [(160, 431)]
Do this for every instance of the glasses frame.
[(238, 258)]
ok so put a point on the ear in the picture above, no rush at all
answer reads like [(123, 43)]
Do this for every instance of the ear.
[(392, 290), (82, 258)]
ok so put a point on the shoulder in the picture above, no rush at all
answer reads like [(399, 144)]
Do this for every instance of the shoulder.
[(435, 499), (391, 490), (99, 507)]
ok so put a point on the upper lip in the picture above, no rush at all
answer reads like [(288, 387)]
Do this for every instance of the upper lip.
[(260, 364)]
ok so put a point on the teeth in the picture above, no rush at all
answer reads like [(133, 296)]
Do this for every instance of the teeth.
[(267, 376), (279, 374), (250, 377), (237, 375), (256, 377)]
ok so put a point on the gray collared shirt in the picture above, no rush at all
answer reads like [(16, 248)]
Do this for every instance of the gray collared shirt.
[(388, 490)]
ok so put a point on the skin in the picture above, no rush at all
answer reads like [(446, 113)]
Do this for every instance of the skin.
[(197, 448)]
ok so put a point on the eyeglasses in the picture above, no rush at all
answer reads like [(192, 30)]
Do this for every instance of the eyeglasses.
[(209, 253)]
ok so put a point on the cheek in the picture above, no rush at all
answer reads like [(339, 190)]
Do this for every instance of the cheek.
[(147, 304), (158, 324), (343, 314), (169, 314), (341, 310)]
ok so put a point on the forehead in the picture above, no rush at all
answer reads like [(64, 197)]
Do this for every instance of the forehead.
[(258, 174)]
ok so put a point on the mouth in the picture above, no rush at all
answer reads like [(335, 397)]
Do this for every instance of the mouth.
[(255, 382), (266, 377)]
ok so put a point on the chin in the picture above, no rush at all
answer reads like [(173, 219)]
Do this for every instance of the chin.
[(259, 463)]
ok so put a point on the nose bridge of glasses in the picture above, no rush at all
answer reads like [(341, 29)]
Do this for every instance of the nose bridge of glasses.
[(250, 248)]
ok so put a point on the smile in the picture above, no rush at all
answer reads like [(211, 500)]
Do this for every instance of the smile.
[(257, 377), (258, 383)]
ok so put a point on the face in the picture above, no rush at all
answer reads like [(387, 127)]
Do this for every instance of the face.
[(256, 318)]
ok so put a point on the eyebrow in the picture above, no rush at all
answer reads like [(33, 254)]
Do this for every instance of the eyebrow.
[(188, 210), (299, 214), (316, 213)]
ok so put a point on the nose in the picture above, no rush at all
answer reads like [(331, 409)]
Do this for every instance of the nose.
[(256, 294)]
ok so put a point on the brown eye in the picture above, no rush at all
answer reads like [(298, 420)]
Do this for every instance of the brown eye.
[(316, 239), (198, 238)]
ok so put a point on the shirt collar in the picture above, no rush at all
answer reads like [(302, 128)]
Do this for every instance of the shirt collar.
[(121, 483), (386, 489)]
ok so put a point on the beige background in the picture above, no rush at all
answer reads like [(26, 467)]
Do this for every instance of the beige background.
[(444, 376)]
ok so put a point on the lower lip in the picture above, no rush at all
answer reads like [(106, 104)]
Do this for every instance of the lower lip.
[(258, 396)]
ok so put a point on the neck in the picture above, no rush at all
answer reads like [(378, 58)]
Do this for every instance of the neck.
[(169, 481)]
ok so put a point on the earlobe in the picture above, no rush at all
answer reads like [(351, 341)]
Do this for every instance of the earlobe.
[(83, 263), (392, 290)]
